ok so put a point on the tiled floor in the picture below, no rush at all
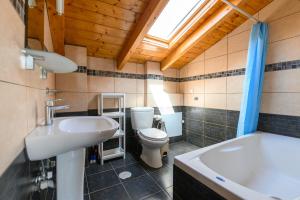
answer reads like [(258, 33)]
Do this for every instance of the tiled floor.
[(103, 183)]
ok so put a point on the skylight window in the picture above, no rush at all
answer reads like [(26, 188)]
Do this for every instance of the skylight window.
[(174, 15)]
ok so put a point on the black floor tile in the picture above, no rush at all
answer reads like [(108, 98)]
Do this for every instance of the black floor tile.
[(120, 162), (164, 177), (141, 187), (135, 169), (158, 196), (102, 180), (86, 197), (113, 193), (96, 168)]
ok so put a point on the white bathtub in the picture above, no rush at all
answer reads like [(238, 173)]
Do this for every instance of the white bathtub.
[(255, 167)]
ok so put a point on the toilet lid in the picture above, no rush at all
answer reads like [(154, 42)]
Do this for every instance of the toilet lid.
[(153, 134)]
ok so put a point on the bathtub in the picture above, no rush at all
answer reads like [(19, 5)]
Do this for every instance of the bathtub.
[(261, 166)]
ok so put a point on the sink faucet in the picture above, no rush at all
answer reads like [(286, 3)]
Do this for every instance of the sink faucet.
[(51, 108)]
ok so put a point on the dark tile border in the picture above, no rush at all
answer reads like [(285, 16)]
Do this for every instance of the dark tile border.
[(236, 72)]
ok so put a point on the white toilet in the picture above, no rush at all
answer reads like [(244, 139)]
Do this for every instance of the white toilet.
[(154, 141)]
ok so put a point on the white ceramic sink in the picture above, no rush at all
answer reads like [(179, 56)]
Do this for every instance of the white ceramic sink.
[(67, 134), (67, 139)]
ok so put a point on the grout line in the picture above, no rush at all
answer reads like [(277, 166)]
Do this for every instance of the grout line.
[(122, 183), (104, 188), (87, 185)]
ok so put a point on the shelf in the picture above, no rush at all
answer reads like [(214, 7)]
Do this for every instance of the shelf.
[(113, 153), (114, 114), (118, 134), (113, 95)]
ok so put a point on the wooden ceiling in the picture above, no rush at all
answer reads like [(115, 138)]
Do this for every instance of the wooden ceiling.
[(116, 28)]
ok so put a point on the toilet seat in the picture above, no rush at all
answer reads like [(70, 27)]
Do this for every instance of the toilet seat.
[(153, 134)]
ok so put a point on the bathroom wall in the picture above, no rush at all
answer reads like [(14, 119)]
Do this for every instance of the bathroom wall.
[(22, 102), (212, 83), (140, 82)]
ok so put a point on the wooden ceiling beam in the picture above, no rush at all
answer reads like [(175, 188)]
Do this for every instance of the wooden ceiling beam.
[(57, 27), (213, 21), (151, 12)]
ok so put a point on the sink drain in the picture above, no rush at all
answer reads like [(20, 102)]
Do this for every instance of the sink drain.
[(125, 175)]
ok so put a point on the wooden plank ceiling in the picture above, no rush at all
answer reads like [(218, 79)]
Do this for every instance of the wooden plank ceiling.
[(105, 26)]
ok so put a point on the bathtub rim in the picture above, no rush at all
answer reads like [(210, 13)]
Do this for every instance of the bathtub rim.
[(207, 176)]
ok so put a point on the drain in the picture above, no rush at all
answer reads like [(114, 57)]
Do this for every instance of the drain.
[(125, 175)]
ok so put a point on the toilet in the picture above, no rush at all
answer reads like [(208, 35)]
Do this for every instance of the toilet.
[(154, 141)]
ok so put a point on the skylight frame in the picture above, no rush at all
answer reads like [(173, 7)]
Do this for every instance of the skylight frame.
[(183, 27), (170, 33)]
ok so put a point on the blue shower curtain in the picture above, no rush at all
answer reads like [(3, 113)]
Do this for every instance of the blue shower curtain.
[(254, 78)]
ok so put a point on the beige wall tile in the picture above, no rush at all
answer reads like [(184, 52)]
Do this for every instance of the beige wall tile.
[(217, 101), (216, 85), (140, 100), (195, 68), (188, 100), (129, 68), (188, 87), (140, 86), (78, 101), (285, 28), (281, 103), (131, 100), (238, 42), (125, 85), (219, 49), (100, 84), (11, 43), (217, 64), (71, 82), (198, 58), (100, 63), (154, 85), (278, 9), (77, 54), (170, 87), (235, 84), (284, 50), (282, 81), (234, 101), (183, 72), (198, 100), (36, 101), (176, 99), (237, 60), (198, 86), (153, 68), (140, 68), (13, 123), (171, 72), (92, 100)]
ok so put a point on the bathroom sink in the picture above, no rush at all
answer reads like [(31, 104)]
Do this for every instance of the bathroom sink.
[(66, 139), (67, 134)]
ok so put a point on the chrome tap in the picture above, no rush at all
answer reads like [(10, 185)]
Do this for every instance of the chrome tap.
[(51, 108)]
